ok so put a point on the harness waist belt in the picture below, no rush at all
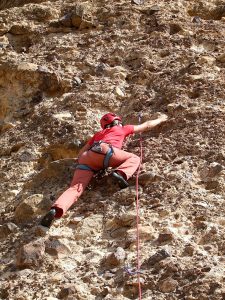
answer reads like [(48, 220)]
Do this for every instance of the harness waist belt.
[(96, 148), (84, 167), (107, 157)]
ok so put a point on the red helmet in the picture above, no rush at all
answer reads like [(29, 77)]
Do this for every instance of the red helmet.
[(108, 119)]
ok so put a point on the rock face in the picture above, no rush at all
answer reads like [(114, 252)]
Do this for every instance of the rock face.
[(7, 229), (14, 3), (30, 255), (28, 209), (63, 64)]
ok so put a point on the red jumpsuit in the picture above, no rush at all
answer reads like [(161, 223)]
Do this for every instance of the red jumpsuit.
[(125, 162)]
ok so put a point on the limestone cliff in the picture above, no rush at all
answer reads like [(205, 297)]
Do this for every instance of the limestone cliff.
[(63, 64)]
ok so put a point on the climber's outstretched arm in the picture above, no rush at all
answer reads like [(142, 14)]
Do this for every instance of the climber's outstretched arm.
[(148, 125)]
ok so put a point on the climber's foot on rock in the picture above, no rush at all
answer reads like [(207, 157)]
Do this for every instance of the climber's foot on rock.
[(48, 218), (120, 179)]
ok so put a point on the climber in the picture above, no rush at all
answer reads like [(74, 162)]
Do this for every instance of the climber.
[(103, 150)]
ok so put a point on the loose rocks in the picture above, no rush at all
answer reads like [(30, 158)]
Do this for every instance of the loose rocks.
[(28, 208), (31, 255)]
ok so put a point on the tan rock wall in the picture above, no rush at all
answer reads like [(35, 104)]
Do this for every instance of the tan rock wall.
[(4, 4), (62, 65)]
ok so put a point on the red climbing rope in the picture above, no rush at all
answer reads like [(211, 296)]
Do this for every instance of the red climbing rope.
[(138, 215)]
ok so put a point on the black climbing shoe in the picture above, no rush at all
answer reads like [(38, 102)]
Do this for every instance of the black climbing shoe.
[(121, 181), (48, 218)]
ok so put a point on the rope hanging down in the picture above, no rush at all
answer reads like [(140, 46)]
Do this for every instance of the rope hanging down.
[(138, 214)]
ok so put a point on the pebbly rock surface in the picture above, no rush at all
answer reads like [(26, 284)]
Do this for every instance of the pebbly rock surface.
[(63, 64)]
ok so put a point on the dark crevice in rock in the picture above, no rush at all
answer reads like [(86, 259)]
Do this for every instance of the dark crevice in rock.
[(175, 28)]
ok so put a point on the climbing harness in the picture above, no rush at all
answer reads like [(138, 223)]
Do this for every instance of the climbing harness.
[(85, 168), (107, 157), (96, 147)]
